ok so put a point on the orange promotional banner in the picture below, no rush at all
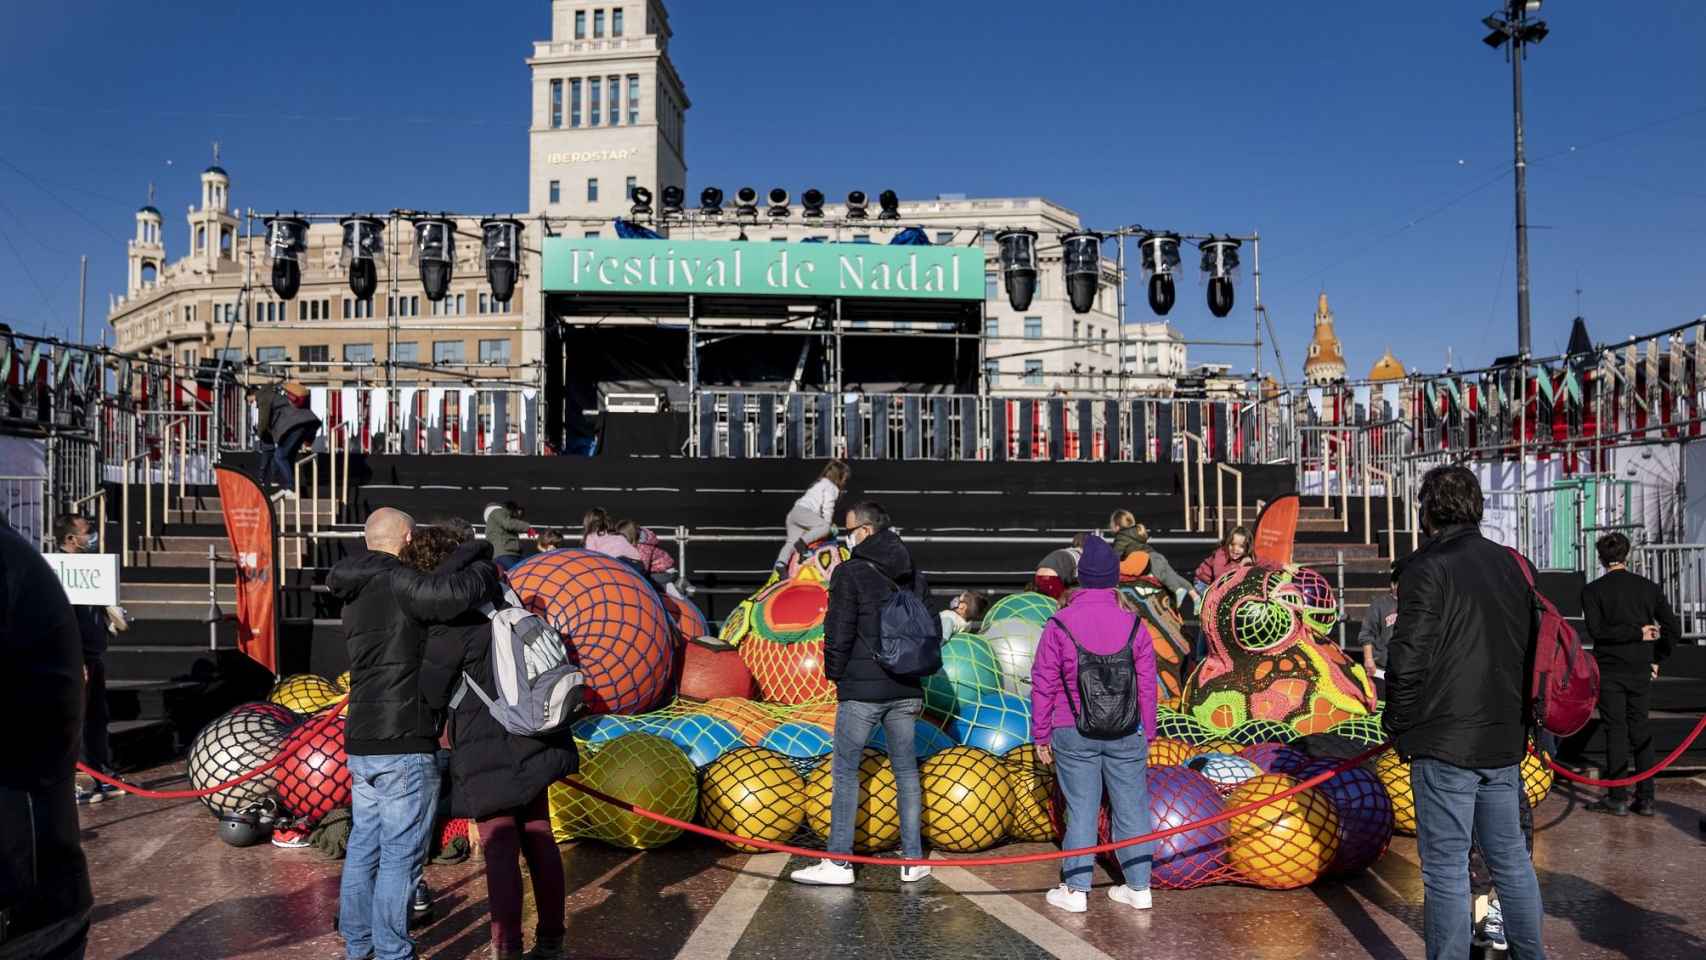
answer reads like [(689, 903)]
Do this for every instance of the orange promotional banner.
[(250, 525), (1276, 530)]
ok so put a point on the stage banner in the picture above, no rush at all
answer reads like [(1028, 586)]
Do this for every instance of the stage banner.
[(250, 524), (1276, 530)]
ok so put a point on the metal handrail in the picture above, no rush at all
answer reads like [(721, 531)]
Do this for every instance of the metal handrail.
[(1367, 511), (124, 503), (1220, 472), (1202, 487), (1328, 440)]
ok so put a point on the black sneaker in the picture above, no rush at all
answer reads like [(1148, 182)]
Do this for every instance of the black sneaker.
[(1643, 808), (420, 907), (1616, 808)]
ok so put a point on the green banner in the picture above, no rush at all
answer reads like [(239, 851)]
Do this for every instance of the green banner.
[(728, 267)]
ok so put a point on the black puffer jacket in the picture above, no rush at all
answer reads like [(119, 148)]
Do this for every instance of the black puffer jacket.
[(1458, 668), (387, 715), (491, 769), (857, 592)]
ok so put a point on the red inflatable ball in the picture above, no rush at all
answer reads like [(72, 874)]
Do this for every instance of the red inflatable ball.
[(689, 622), (711, 669), (613, 621), (313, 778)]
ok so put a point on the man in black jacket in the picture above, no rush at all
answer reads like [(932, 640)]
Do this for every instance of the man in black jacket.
[(869, 694), (1633, 630), (74, 533), (1457, 709), (391, 735)]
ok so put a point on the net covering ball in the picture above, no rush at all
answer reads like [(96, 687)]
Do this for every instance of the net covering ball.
[(998, 722), (1365, 815), (927, 739), (711, 670), (969, 670), (968, 799), (1032, 607), (690, 624), (1164, 752), (783, 644), (796, 738), (314, 778), (876, 827), (754, 720), (343, 681), (1177, 796), (1536, 778), (282, 714), (1394, 775), (612, 620), (1224, 770), (703, 738), (1031, 783), (1286, 843), (305, 693), (599, 729), (1014, 644), (1181, 727), (641, 769), (231, 746), (1275, 757), (754, 793)]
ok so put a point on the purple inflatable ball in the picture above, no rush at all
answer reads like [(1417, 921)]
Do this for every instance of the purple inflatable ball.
[(1179, 795), (1365, 815), (1276, 757)]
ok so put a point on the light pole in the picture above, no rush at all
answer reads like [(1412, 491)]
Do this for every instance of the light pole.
[(1513, 25)]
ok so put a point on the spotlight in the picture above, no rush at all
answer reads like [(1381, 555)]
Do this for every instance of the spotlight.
[(747, 198), (856, 204), (502, 240), (1019, 265), (435, 251), (642, 203), (1081, 257), (1219, 260), (287, 241), (364, 241), (891, 205), (779, 203), (812, 201), (711, 202), (1160, 256), (673, 199)]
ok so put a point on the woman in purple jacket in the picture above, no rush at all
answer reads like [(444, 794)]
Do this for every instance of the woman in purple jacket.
[(1084, 765)]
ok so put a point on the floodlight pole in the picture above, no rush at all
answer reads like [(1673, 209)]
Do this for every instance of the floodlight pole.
[(1515, 12)]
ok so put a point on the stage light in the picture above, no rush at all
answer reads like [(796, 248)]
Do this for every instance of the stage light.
[(890, 202), (1081, 258), (747, 200), (501, 238), (435, 252), (364, 241), (779, 200), (1219, 260), (711, 202), (642, 203), (1019, 265), (673, 199), (1159, 253), (287, 241), (812, 203), (856, 205)]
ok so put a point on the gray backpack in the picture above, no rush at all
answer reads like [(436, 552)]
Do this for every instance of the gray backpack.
[(539, 687)]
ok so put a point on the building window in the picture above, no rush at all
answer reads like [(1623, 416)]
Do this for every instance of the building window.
[(462, 304), (1034, 372), (991, 372), (556, 104), (991, 287), (200, 239), (484, 299), (574, 103), (364, 309), (349, 308), (271, 355), (598, 24), (616, 22), (318, 353), (592, 187), (556, 191), (448, 351), (1033, 328), (861, 238), (633, 98), (992, 326), (590, 235), (594, 100), (632, 183), (580, 24), (409, 352), (358, 353), (944, 237), (494, 351), (615, 101), (1104, 340)]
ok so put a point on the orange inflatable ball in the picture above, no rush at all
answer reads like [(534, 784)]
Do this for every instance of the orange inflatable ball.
[(821, 714), (1170, 753), (711, 669), (611, 618), (690, 624), (877, 826), (751, 719), (1284, 843), (1394, 775)]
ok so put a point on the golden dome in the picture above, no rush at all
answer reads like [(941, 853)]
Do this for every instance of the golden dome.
[(1386, 368), (1326, 362)]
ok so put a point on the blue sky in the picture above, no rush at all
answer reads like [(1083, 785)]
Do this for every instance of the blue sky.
[(1369, 143)]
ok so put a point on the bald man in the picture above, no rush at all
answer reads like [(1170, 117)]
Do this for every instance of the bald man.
[(391, 734)]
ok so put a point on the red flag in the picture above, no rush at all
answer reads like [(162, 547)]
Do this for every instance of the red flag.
[(250, 524)]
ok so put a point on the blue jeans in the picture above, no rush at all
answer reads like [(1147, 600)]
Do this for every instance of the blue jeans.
[(1084, 767), (1454, 804), (284, 455), (395, 798), (854, 722)]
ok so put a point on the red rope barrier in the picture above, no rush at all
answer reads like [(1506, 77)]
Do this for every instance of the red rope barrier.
[(316, 726), (1630, 781)]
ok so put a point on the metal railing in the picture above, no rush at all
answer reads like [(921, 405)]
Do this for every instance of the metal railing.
[(1680, 569)]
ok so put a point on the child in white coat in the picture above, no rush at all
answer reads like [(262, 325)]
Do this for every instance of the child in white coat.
[(813, 515)]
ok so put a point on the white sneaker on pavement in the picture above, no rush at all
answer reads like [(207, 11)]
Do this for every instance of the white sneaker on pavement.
[(913, 874), (824, 873), (1068, 899), (1135, 899)]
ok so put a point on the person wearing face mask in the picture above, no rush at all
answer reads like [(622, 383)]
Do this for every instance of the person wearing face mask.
[(72, 533)]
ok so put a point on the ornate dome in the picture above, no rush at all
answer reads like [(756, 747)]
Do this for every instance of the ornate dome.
[(1386, 368), (1326, 363)]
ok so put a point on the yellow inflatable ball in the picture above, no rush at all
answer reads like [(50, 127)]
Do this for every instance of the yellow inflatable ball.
[(639, 768), (1394, 775), (968, 799), (343, 681), (1285, 843), (755, 793), (305, 693), (877, 827), (1536, 778), (1170, 753), (1031, 783)]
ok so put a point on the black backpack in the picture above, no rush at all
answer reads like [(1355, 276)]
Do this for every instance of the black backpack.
[(1107, 688), (911, 641)]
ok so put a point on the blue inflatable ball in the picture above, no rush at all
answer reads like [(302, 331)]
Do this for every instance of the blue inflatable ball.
[(798, 739), (1224, 770), (997, 722), (969, 669), (599, 729), (927, 739), (703, 738), (1365, 814), (1180, 795)]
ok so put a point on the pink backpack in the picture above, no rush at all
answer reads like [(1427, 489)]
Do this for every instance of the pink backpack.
[(1566, 679)]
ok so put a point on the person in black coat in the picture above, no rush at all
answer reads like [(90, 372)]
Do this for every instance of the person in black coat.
[(496, 777)]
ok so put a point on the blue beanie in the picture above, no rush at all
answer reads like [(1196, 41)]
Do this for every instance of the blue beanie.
[(1098, 568)]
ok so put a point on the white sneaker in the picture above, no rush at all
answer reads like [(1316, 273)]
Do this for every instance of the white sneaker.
[(1135, 899), (1068, 899), (824, 873), (913, 874)]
